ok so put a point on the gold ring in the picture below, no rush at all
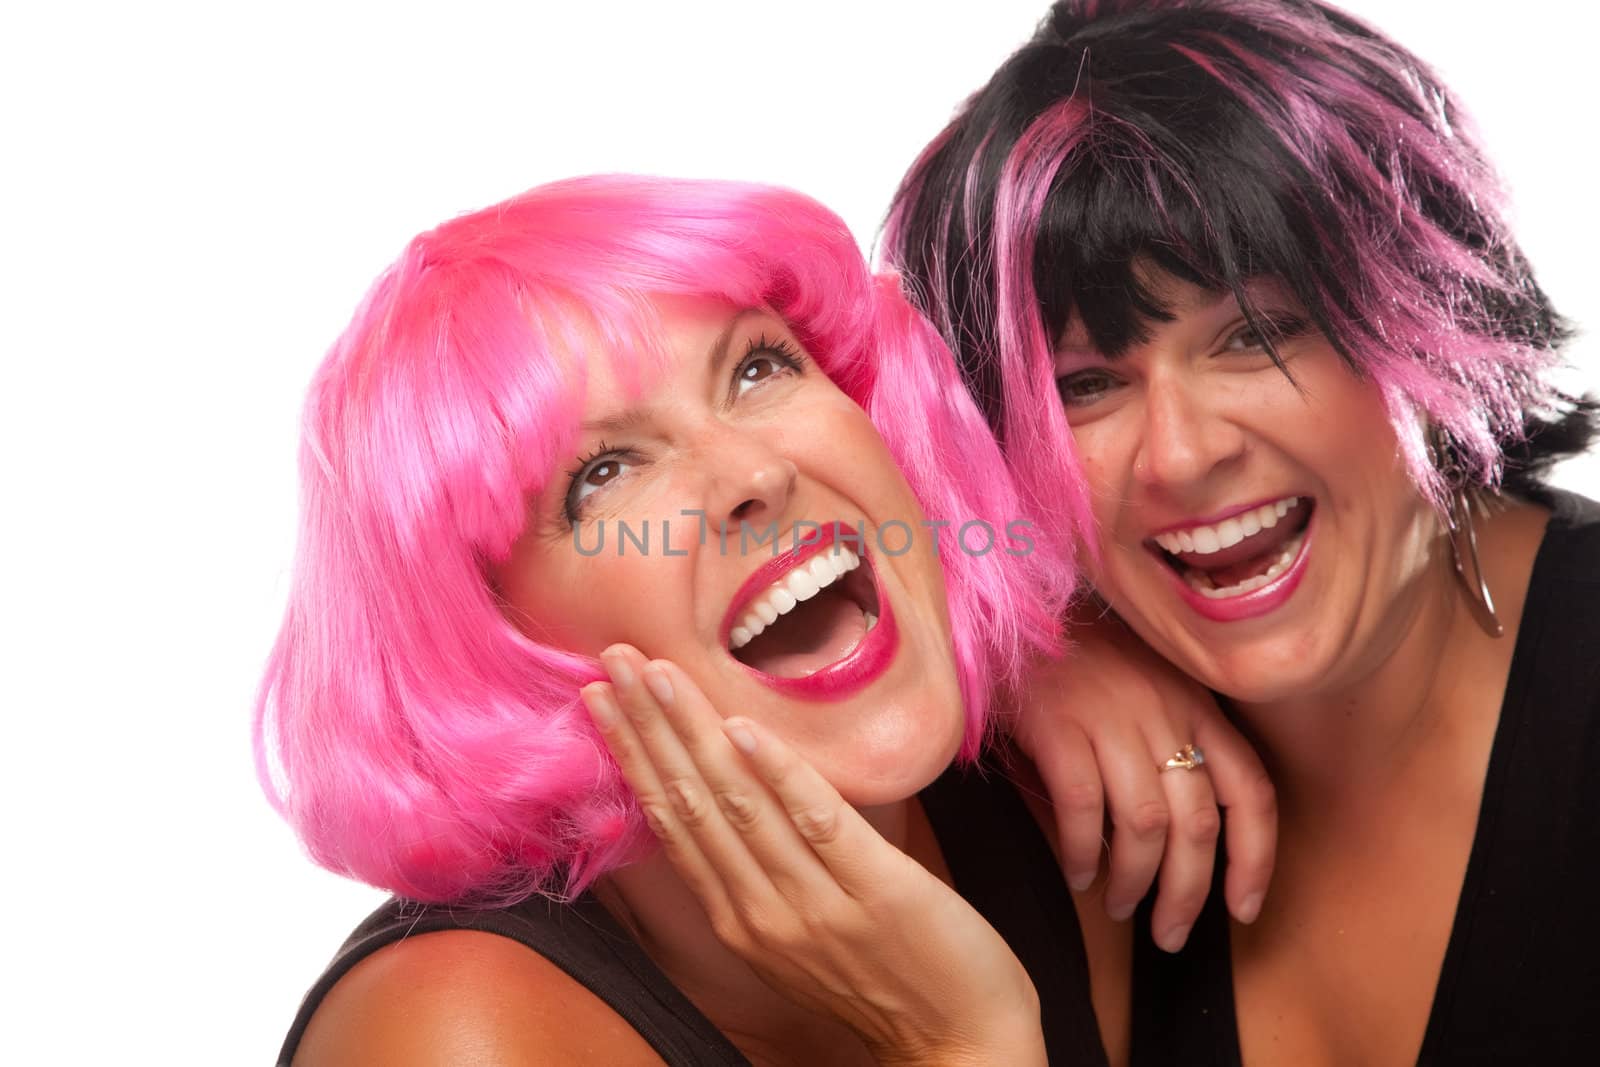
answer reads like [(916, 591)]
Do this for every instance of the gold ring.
[(1186, 758)]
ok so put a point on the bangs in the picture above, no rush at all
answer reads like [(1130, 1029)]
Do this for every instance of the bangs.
[(415, 737), (1123, 206), (1220, 142)]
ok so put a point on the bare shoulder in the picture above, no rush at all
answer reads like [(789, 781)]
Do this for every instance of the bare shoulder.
[(464, 996)]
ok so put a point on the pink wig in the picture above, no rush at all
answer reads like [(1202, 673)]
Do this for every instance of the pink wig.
[(413, 737), (1223, 140)]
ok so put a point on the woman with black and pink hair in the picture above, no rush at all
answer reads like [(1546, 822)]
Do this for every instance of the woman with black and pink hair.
[(1233, 284)]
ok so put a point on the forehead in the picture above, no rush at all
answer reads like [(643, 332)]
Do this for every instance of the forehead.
[(670, 340)]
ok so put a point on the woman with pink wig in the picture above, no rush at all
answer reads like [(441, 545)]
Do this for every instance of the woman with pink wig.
[(616, 414), (1232, 282)]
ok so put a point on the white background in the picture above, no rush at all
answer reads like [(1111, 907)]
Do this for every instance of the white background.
[(194, 199)]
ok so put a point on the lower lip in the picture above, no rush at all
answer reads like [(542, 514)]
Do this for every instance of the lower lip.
[(1257, 602), (862, 666)]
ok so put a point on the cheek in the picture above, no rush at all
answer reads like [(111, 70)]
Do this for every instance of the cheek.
[(1105, 451), (1102, 473), (585, 603)]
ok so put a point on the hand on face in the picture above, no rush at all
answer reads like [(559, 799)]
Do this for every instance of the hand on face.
[(801, 887), (1098, 725)]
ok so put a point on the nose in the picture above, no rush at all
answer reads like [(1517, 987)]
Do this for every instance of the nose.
[(749, 477), (1185, 437)]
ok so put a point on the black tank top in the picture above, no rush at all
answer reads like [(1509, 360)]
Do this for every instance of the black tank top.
[(1520, 982), (998, 859)]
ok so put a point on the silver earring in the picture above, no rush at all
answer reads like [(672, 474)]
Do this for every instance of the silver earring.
[(1464, 547)]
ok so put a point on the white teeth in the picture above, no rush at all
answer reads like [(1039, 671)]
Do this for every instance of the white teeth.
[(1201, 582), (802, 583), (1204, 540)]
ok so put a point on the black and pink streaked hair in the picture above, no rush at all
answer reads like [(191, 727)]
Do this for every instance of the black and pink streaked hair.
[(411, 734), (1220, 141)]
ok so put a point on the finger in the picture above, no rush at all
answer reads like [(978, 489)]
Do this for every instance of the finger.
[(1077, 796), (639, 773), (848, 846), (1190, 857), (1245, 792), (744, 801), (675, 797), (1139, 818)]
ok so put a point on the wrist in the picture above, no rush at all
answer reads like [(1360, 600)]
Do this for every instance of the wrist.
[(1011, 1035)]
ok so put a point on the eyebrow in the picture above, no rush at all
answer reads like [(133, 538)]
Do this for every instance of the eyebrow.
[(627, 420), (716, 356)]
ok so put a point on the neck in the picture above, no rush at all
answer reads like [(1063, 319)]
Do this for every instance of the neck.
[(1430, 694)]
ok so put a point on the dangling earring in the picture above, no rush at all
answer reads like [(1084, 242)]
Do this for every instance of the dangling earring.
[(1464, 548), (1464, 539)]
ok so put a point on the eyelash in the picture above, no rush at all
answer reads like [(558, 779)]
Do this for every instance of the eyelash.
[(781, 351), (1280, 327)]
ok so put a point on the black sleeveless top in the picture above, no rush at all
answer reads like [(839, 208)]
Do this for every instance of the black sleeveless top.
[(999, 861), (1520, 982)]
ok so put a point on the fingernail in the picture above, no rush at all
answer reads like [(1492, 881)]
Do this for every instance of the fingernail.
[(741, 736), (617, 666), (599, 705), (1173, 939), (1120, 912), (1249, 908), (1081, 880), (660, 686)]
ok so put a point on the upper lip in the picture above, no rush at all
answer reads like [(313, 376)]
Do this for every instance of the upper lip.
[(773, 570)]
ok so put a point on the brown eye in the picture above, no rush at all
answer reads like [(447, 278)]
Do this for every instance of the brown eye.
[(1245, 340), (763, 360), (1085, 387), (595, 474), (602, 472), (757, 368)]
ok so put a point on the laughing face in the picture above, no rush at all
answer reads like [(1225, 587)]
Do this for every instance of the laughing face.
[(1261, 534), (661, 535)]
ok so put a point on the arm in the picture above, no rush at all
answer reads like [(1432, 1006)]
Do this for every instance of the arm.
[(800, 886), (1098, 724)]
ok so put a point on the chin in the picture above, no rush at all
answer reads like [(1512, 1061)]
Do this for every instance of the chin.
[(1263, 675), (899, 751)]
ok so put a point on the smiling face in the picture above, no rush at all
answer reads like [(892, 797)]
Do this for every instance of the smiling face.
[(840, 647), (1262, 534)]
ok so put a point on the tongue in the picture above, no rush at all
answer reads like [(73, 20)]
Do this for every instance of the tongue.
[(1233, 574), (818, 633)]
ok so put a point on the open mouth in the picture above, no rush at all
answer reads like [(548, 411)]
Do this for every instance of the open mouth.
[(812, 621), (809, 618), (1237, 556)]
